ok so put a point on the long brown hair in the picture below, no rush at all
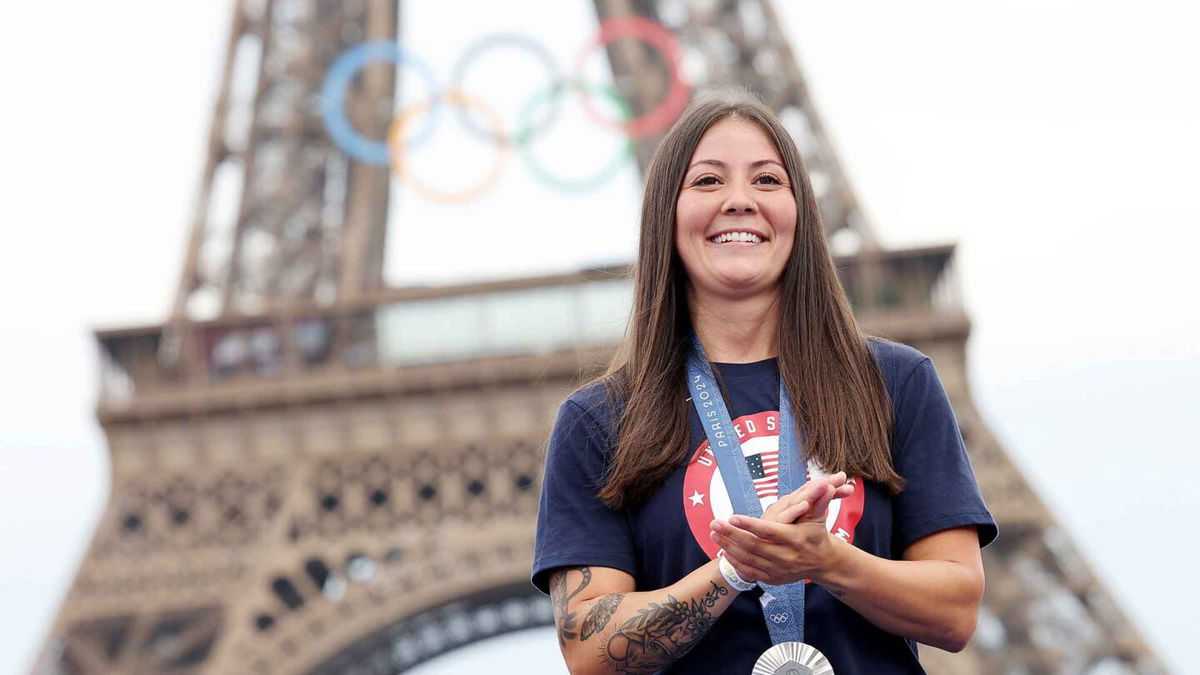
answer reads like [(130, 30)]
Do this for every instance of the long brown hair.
[(837, 389)]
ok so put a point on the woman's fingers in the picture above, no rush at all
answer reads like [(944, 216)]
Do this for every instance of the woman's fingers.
[(820, 505), (801, 493), (741, 538), (757, 528), (839, 493), (774, 550), (791, 513), (760, 540), (795, 511), (788, 508), (743, 548), (786, 502)]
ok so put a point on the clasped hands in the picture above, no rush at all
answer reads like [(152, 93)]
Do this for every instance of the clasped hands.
[(790, 542)]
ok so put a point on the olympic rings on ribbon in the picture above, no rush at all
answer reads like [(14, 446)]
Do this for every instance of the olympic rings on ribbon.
[(654, 34), (333, 98), (346, 67), (395, 132), (504, 39)]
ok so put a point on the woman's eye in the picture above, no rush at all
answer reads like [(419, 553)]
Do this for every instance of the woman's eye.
[(770, 178), (706, 180)]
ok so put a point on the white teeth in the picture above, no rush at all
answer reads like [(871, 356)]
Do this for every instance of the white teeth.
[(748, 237)]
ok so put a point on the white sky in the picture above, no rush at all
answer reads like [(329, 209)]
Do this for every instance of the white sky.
[(1054, 140)]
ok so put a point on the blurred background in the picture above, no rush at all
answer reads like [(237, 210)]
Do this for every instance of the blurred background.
[(1054, 141)]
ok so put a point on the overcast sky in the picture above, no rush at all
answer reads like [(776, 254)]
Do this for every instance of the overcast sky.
[(1054, 140)]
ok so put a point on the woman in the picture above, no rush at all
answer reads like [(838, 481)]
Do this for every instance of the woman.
[(634, 509)]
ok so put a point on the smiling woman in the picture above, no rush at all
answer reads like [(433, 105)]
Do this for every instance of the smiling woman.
[(736, 218), (685, 540)]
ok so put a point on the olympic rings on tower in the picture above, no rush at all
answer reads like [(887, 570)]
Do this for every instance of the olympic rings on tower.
[(390, 152)]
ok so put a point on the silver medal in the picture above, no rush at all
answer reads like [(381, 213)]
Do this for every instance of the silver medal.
[(792, 658)]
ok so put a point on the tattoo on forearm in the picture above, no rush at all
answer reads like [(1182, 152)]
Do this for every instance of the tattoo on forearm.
[(660, 634), (560, 599), (598, 616)]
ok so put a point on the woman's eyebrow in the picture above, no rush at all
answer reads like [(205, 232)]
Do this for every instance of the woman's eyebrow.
[(720, 164), (763, 162)]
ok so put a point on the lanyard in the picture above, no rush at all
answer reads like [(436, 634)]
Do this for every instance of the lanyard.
[(783, 606)]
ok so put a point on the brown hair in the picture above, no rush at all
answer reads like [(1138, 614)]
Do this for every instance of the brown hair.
[(837, 389)]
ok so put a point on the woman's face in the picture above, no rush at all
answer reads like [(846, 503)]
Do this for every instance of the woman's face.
[(736, 217)]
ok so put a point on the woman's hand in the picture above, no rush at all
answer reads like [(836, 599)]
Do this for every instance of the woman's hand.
[(790, 542), (790, 507)]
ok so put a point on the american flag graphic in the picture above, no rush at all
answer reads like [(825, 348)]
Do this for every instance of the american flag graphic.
[(764, 469)]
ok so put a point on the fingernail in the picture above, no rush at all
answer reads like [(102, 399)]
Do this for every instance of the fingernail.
[(735, 521)]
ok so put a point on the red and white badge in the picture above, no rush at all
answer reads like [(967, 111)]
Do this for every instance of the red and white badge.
[(705, 497)]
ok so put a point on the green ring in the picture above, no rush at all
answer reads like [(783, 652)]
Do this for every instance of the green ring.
[(583, 184)]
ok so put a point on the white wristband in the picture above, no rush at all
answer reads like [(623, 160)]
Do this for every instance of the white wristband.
[(731, 576)]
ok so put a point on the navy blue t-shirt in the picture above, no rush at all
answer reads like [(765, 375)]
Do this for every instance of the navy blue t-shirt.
[(668, 537)]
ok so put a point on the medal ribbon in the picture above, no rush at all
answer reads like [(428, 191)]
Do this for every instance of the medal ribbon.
[(783, 606)]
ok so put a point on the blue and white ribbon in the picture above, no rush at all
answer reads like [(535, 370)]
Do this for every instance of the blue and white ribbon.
[(783, 606)]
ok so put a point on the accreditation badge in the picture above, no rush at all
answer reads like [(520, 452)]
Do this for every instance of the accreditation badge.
[(792, 658)]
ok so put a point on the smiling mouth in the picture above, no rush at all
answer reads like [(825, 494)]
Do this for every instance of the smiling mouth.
[(739, 237)]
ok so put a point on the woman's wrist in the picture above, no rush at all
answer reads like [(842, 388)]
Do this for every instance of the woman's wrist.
[(838, 575), (730, 575)]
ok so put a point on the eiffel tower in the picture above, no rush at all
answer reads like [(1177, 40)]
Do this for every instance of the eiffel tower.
[(300, 485)]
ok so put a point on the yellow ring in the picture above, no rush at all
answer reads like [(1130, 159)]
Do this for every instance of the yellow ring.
[(401, 171)]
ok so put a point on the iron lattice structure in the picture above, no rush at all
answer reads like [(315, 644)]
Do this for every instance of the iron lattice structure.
[(299, 486)]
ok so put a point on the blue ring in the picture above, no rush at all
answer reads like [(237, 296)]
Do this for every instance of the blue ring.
[(333, 99)]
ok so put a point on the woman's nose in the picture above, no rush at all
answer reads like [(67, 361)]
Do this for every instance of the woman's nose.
[(740, 204), (739, 201)]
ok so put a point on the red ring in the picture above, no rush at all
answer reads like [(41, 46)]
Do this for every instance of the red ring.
[(657, 36)]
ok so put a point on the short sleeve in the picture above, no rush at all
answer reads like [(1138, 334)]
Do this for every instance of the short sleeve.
[(574, 526), (940, 490)]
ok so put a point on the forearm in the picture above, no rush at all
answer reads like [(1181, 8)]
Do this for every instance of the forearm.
[(935, 602), (648, 631)]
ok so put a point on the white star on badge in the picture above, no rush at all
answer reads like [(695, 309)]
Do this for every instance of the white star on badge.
[(697, 498)]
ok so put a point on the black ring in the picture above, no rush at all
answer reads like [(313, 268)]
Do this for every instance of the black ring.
[(502, 39)]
